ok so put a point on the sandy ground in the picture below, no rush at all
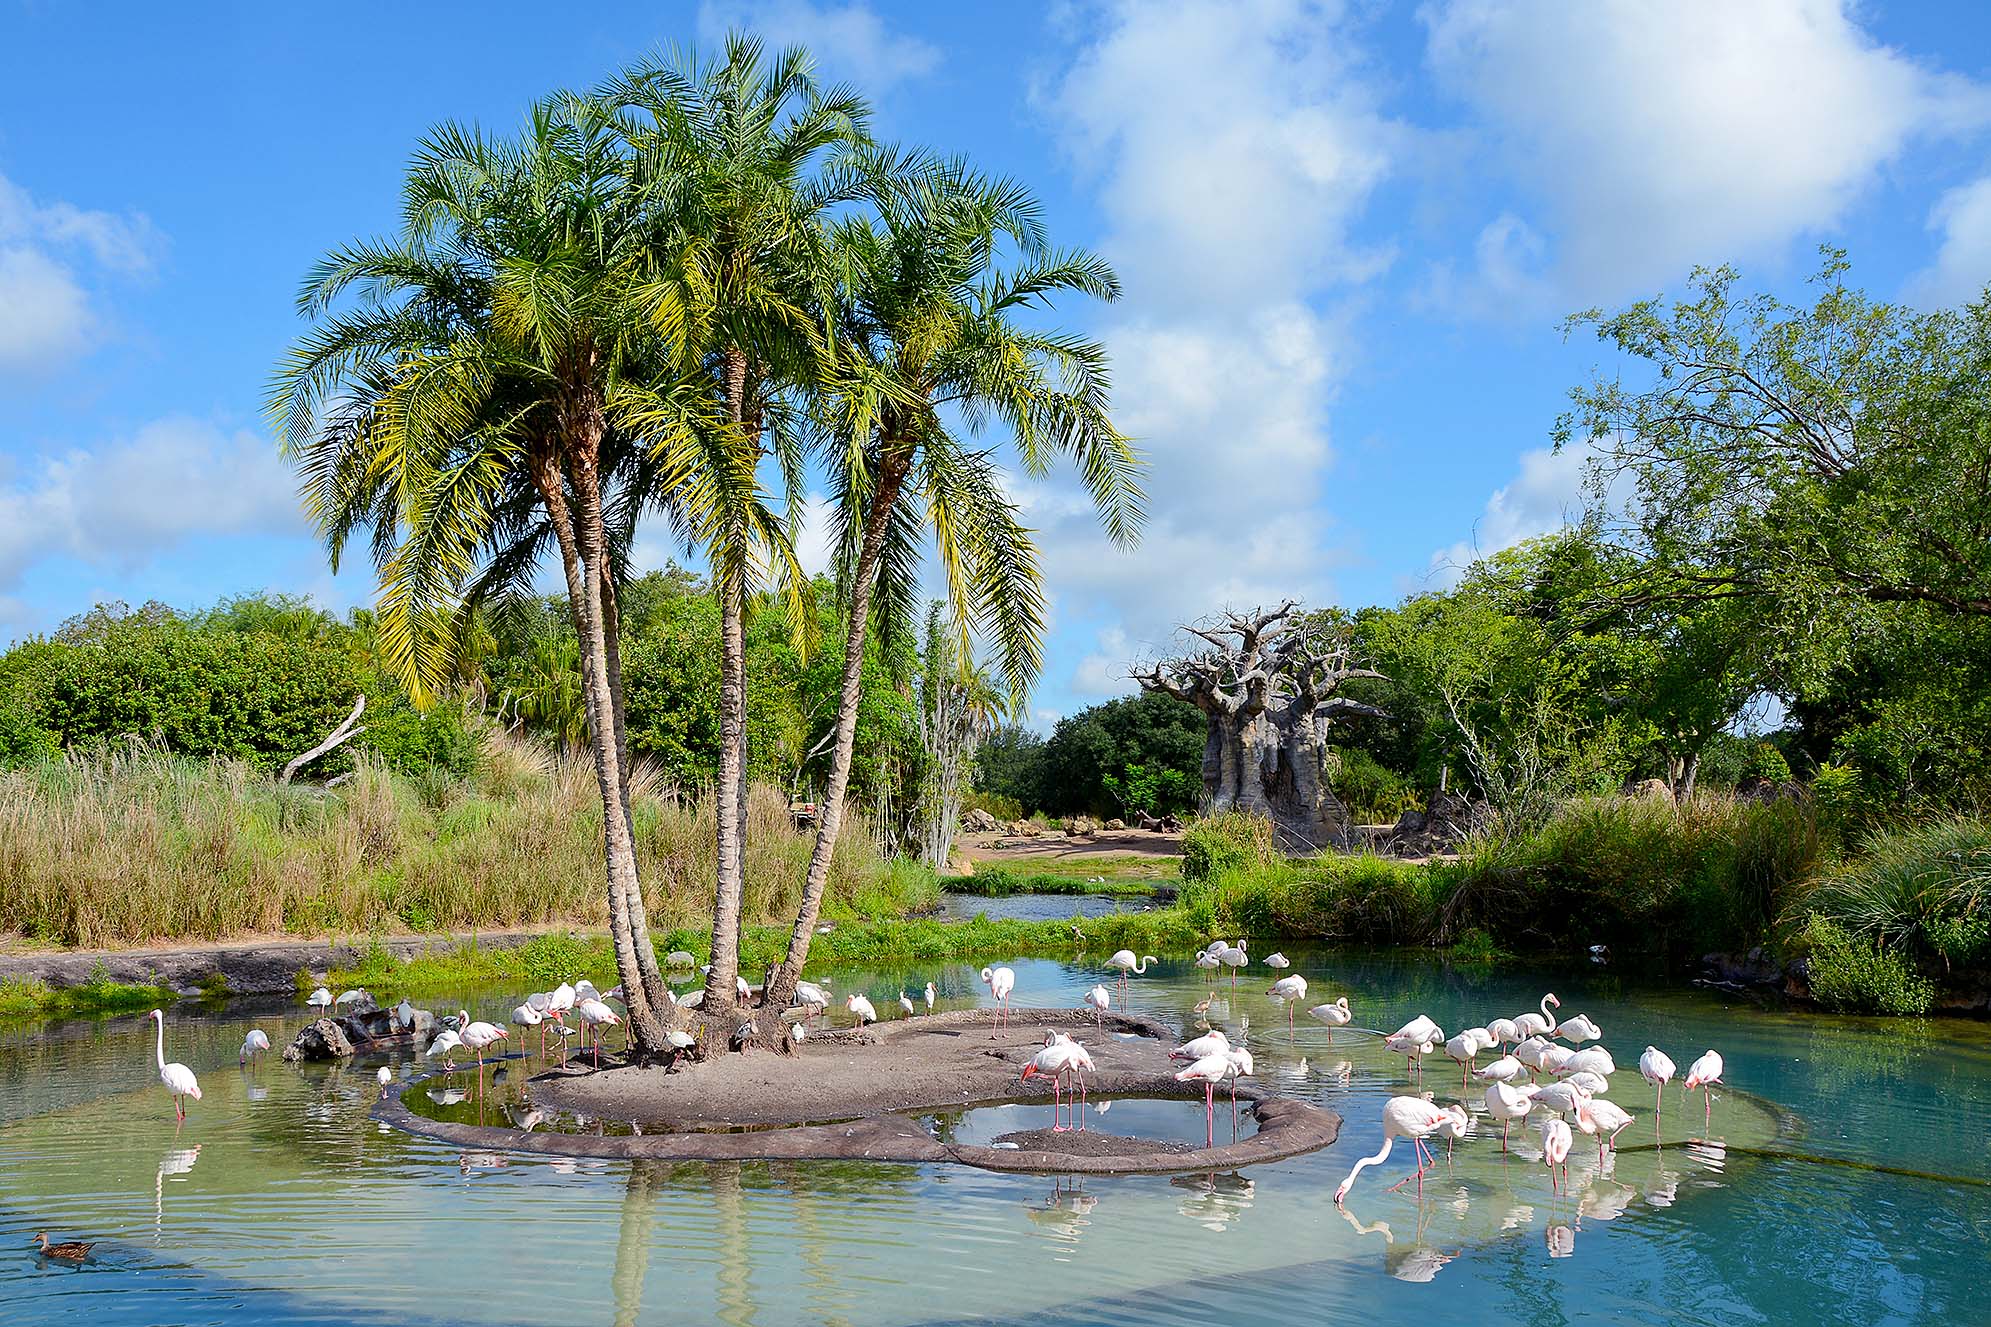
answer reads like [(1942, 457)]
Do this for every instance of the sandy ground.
[(942, 1060), (1047, 851)]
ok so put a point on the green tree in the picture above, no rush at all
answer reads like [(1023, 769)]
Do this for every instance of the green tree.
[(931, 327), (475, 391), (732, 150)]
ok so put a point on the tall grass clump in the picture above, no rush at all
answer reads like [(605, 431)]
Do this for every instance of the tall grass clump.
[(1924, 891), (129, 845), (1643, 875), (1356, 898), (1227, 841)]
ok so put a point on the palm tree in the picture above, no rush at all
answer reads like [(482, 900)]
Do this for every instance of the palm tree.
[(493, 382), (730, 151), (929, 330)]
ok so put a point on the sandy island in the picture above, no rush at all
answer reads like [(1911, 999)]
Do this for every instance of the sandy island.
[(848, 1094)]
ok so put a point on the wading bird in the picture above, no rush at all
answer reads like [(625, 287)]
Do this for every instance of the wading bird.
[(1506, 1069), (1556, 1140), (1289, 991), (320, 999), (1335, 1015), (597, 1015), (1703, 1074), (1100, 999), (1577, 1029), (256, 1043), (931, 994), (1276, 960), (1656, 1068), (1403, 1117), (861, 1008), (1505, 1032), (445, 1044), (1124, 962), (477, 1036), (1532, 1024), (905, 1003), (1000, 981), (1591, 1059), (1508, 1104), (1595, 1115), (1060, 1056), (385, 1077), (1213, 1042), (1209, 1070), (175, 1078), (526, 1016), (813, 998)]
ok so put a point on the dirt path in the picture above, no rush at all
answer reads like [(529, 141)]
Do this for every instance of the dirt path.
[(1046, 851)]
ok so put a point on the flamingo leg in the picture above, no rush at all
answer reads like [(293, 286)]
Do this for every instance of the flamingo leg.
[(1209, 1114), (1504, 1126)]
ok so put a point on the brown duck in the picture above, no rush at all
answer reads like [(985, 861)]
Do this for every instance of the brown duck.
[(75, 1250)]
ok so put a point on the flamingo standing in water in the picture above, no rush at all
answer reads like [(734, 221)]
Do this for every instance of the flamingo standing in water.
[(256, 1043), (1606, 1119), (1505, 1032), (1000, 981), (1100, 999), (477, 1036), (1532, 1024), (1209, 1070), (1656, 1068), (1403, 1117), (597, 1015), (175, 1078), (1124, 962), (1507, 1104), (1556, 1140), (526, 1016), (1233, 957), (1704, 1073), (1289, 991), (1335, 1015)]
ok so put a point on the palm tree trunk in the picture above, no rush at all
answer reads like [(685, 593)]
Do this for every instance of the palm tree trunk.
[(729, 886), (781, 986), (646, 1031), (654, 985)]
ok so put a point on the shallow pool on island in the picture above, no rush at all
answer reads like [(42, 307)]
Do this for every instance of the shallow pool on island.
[(280, 1201)]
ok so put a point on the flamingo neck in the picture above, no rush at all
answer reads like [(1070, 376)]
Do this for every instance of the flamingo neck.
[(159, 1047), (1547, 1017), (1389, 1141)]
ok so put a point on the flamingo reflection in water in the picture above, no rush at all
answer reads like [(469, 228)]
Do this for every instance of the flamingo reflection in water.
[(1065, 1214), (1216, 1199)]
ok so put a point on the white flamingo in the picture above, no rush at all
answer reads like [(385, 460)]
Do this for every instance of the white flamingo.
[(1289, 991), (597, 1015), (1100, 999), (256, 1043), (175, 1078), (1213, 1042), (1124, 963), (1508, 1104), (1605, 1119), (445, 1044), (477, 1036), (1504, 1031), (1277, 960), (1703, 1074), (1656, 1068), (1577, 1029), (1209, 1070), (1532, 1024), (1403, 1117), (1562, 1098), (1556, 1140), (1591, 1059), (1463, 1048), (1233, 957), (526, 1016), (1335, 1015), (1506, 1069), (1000, 981)]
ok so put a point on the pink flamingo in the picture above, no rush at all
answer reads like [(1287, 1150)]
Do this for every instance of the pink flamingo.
[(1656, 1068), (1000, 981), (1703, 1074), (1403, 1117), (1210, 1070), (1556, 1140)]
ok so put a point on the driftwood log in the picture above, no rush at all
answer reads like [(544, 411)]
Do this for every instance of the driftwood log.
[(338, 737), (1266, 682)]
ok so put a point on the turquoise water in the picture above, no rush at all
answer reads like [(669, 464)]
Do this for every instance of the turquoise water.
[(280, 1201), (1036, 907)]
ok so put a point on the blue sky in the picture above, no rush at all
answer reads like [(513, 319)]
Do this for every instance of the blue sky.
[(1349, 233)]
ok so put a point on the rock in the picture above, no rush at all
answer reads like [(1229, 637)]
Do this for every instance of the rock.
[(679, 958), (959, 863), (979, 821), (1080, 826), (1754, 969), (1116, 825), (322, 1040), (1412, 821), (1654, 788)]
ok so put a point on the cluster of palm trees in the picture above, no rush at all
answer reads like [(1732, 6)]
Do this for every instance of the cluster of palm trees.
[(677, 297)]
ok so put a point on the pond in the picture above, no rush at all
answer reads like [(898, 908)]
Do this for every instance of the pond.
[(280, 1201), (955, 907)]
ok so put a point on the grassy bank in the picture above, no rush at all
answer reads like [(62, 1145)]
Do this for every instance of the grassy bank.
[(99, 995), (131, 847)]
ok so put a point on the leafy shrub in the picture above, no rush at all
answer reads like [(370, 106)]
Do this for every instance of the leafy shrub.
[(1229, 841), (996, 804), (1852, 974), (1476, 945), (1925, 889), (1373, 792)]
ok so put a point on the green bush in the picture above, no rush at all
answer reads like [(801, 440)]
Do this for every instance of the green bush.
[(1229, 841), (1852, 974), (1373, 793)]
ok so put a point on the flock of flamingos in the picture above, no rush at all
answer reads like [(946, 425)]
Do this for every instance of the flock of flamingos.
[(1542, 1063)]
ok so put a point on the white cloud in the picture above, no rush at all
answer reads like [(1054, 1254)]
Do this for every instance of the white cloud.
[(1963, 261), (848, 40), (122, 504), (1547, 495), (1701, 131), (47, 315), (1104, 671), (1234, 148)]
